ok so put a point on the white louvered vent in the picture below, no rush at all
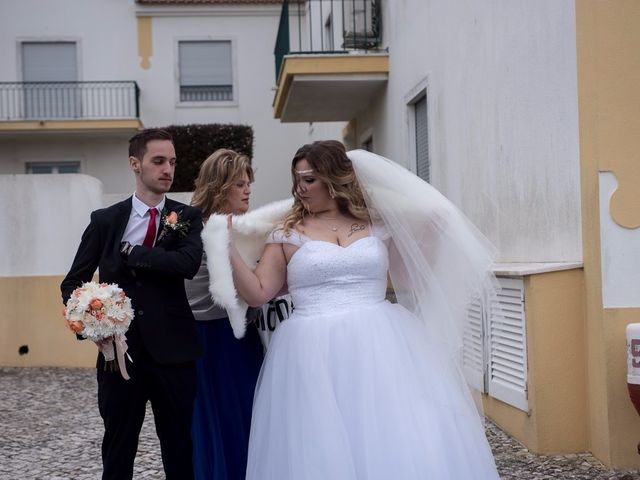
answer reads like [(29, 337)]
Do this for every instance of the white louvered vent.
[(473, 341), (507, 345)]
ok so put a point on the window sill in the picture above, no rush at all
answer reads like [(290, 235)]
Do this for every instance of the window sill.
[(221, 104), (523, 269)]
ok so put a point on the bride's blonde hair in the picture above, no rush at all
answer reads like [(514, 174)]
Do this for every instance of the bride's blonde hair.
[(330, 164)]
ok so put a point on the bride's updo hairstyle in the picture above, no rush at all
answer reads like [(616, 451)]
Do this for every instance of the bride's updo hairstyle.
[(330, 164)]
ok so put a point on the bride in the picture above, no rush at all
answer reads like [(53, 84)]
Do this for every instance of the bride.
[(355, 387)]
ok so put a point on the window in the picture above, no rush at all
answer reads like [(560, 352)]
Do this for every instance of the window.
[(50, 73), (206, 73), (53, 167), (423, 166)]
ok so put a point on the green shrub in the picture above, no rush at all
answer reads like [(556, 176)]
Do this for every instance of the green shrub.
[(194, 143)]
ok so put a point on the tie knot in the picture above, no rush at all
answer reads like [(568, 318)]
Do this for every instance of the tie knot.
[(153, 212)]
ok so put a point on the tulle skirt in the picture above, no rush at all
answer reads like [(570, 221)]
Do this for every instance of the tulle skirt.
[(226, 379), (362, 393)]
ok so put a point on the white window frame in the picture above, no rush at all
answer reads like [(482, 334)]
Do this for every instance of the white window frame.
[(414, 95), (54, 164), (63, 39), (234, 72)]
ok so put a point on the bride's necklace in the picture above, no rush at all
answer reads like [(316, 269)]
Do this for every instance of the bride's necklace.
[(333, 227)]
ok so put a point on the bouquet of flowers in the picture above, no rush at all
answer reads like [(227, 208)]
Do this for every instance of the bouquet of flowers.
[(102, 313)]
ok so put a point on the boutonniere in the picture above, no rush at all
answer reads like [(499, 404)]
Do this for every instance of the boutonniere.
[(171, 222)]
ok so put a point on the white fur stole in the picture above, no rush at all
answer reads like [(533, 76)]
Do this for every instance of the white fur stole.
[(250, 232)]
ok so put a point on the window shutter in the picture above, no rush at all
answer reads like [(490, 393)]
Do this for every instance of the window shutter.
[(49, 62), (422, 139), (507, 345), (206, 71), (473, 361)]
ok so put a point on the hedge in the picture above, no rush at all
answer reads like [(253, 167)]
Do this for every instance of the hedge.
[(194, 143)]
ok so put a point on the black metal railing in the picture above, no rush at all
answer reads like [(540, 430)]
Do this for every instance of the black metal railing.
[(69, 100), (327, 26), (206, 93)]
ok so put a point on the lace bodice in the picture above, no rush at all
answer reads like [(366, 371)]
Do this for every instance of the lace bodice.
[(324, 275)]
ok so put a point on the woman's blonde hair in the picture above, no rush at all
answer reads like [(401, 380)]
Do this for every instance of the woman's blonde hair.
[(330, 164), (217, 174)]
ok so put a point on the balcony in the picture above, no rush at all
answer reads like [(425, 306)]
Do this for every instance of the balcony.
[(69, 106), (329, 61)]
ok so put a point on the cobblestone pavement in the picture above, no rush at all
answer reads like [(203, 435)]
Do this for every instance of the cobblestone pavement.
[(50, 429)]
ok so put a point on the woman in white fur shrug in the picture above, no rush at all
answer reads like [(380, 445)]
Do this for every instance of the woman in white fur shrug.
[(228, 371)]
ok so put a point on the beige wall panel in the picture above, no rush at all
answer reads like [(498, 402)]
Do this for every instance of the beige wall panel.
[(32, 316), (617, 39), (554, 306), (520, 425), (145, 43), (608, 46), (557, 419)]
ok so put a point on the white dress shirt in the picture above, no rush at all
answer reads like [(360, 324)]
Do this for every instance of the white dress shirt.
[(139, 220)]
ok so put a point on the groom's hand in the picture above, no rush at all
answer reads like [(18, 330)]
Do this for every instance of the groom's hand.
[(125, 249), (101, 343)]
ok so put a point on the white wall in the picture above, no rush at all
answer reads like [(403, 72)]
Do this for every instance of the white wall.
[(105, 32), (107, 36), (44, 217), (619, 252), (503, 115), (103, 157)]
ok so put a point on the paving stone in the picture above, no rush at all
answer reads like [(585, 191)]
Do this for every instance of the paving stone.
[(50, 429)]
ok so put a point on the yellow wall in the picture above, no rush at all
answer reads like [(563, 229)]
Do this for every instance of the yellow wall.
[(556, 421), (32, 315), (608, 47), (554, 308), (145, 43)]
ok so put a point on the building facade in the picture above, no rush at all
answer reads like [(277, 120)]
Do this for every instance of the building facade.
[(80, 77), (523, 114)]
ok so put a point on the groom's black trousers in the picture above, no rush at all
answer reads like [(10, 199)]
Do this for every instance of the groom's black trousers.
[(122, 403)]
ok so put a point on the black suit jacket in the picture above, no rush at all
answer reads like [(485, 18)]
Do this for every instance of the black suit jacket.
[(153, 278)]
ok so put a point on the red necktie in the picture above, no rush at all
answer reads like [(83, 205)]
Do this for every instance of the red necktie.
[(151, 228)]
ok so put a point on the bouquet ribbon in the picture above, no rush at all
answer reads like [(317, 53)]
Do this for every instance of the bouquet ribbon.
[(106, 347), (121, 348)]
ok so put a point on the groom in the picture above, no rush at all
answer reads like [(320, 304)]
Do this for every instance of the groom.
[(147, 244)]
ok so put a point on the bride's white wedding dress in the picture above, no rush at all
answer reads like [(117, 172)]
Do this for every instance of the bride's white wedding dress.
[(352, 386)]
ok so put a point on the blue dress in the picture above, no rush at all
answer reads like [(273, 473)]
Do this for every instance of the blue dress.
[(226, 378)]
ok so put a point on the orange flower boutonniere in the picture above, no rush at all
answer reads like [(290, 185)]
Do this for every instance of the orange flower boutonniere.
[(171, 223)]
